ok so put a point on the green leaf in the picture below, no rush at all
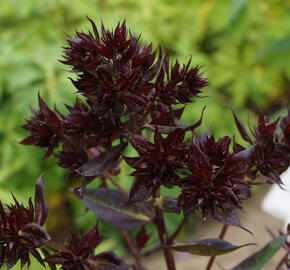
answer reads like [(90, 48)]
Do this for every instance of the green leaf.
[(111, 206), (207, 247), (277, 47), (237, 6), (259, 259)]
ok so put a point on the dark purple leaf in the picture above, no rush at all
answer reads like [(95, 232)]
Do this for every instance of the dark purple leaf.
[(241, 127), (167, 204), (142, 238), (244, 154), (230, 217), (41, 209), (139, 191), (111, 206), (101, 164), (109, 261), (35, 234)]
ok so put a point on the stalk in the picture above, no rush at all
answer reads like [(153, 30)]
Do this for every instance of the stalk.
[(133, 251), (163, 236), (221, 236)]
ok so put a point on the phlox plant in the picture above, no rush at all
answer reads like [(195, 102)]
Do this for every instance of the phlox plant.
[(133, 95)]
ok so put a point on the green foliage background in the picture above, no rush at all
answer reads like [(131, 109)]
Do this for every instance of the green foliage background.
[(243, 46)]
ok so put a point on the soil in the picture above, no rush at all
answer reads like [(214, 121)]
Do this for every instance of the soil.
[(254, 219)]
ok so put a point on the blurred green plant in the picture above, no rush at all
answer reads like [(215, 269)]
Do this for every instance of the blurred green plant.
[(244, 47)]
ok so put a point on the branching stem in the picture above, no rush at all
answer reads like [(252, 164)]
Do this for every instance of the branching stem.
[(177, 231), (162, 232), (133, 251)]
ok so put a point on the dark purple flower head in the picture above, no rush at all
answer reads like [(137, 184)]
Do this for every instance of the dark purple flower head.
[(215, 184), (270, 156), (178, 84), (20, 230), (78, 254), (158, 163), (113, 68), (45, 127), (90, 126), (125, 88)]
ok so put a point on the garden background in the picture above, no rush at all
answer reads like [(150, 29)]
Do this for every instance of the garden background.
[(243, 47)]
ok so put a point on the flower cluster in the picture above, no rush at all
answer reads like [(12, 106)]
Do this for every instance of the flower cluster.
[(215, 183), (158, 163), (122, 83), (78, 254), (128, 89), (270, 156), (21, 231)]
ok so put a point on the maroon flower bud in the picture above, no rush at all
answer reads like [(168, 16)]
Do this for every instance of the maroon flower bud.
[(78, 254), (45, 128), (158, 163), (215, 185), (20, 230), (180, 84), (270, 156)]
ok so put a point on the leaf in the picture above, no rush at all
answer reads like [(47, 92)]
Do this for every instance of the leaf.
[(104, 162), (35, 234), (165, 126), (139, 191), (111, 206), (142, 238), (207, 247), (237, 7), (167, 204), (230, 217), (279, 46), (41, 208), (241, 126), (108, 261), (259, 259)]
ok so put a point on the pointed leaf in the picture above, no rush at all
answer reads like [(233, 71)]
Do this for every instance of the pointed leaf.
[(142, 238), (35, 234), (108, 261), (244, 154), (207, 247), (111, 206), (101, 164), (167, 204), (41, 209), (237, 6), (259, 259), (230, 217), (241, 127), (139, 191)]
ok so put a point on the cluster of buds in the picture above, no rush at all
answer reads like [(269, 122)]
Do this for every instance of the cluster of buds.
[(21, 234), (122, 84), (126, 89)]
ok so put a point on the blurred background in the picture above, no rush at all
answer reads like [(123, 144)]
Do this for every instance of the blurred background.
[(243, 47)]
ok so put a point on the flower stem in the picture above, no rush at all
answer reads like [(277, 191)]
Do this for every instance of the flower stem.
[(133, 251), (283, 260), (160, 225), (177, 231), (221, 236)]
